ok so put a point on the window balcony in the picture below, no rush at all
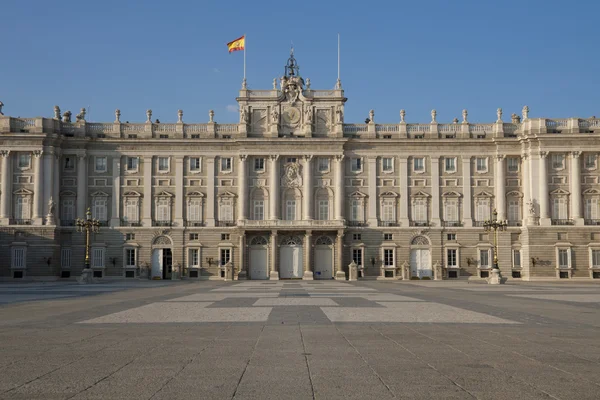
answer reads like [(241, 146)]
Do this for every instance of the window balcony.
[(194, 223), (563, 222), (19, 221), (592, 222), (226, 223), (162, 223), (130, 223), (389, 223), (419, 223), (67, 222), (478, 223), (515, 223), (356, 223), (448, 224)]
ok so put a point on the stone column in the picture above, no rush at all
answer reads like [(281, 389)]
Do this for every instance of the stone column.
[(179, 197), (115, 215), (543, 188), (147, 202), (48, 176), (242, 274), (274, 188), (576, 188), (38, 188), (308, 186), (243, 188), (81, 186), (467, 196), (6, 199), (372, 190), (308, 273), (435, 191), (210, 191), (274, 274), (403, 181), (500, 188), (340, 275), (339, 187), (526, 188), (56, 187)]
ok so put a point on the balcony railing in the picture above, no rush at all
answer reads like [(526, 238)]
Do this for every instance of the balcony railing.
[(194, 223), (130, 223), (478, 223), (356, 223), (226, 223), (419, 223), (592, 222), (162, 223), (389, 223), (563, 222), (67, 222), (451, 223), (515, 223), (20, 221)]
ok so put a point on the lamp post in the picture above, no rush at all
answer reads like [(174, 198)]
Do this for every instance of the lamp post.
[(88, 224), (495, 225)]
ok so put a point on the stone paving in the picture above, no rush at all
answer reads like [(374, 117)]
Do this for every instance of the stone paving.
[(299, 340)]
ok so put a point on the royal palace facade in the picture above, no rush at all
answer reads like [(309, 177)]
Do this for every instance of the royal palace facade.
[(293, 191)]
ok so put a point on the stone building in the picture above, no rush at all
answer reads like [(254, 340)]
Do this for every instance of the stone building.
[(293, 191)]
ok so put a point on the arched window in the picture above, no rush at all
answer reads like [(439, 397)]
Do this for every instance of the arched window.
[(292, 199)]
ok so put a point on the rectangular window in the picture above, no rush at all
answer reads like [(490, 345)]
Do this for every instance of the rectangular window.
[(18, 257), (451, 255), (290, 210), (356, 210), (356, 236), (101, 164), (451, 210), (483, 210), (65, 258), (451, 236), (291, 159), (559, 208), (163, 164), (225, 256), (23, 208), (323, 164), (68, 210), (419, 164), (226, 164), (420, 210), (356, 164), (481, 164), (195, 164), (484, 258), (388, 211), (450, 165), (225, 236), (388, 257), (259, 210), (69, 163), (595, 258), (194, 211), (24, 160), (163, 210), (98, 257), (388, 236), (259, 164), (590, 161), (514, 210), (516, 258), (388, 164), (131, 210), (130, 236), (563, 258), (130, 260), (357, 257), (226, 210), (592, 208), (512, 164), (323, 210), (193, 236), (194, 258), (558, 161), (132, 163)]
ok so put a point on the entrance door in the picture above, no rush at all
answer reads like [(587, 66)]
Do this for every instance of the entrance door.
[(323, 262), (157, 259), (290, 265), (259, 268), (420, 263), (167, 262)]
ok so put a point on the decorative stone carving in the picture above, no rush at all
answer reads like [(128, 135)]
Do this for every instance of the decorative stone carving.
[(292, 176), (525, 113), (211, 116), (67, 116), (1, 105), (531, 208), (308, 115), (307, 83), (372, 116), (338, 84), (117, 116), (465, 114), (244, 84), (433, 116), (162, 240), (274, 116), (324, 241), (81, 116), (499, 115), (57, 112), (455, 121), (291, 241), (38, 153), (291, 87), (420, 241), (259, 241), (148, 116), (274, 83), (339, 115), (402, 115), (243, 115), (51, 206), (179, 116), (515, 118)]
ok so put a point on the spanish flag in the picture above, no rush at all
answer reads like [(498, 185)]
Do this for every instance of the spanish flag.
[(237, 44)]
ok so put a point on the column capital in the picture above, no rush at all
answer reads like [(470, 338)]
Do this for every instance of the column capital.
[(38, 153), (500, 157), (274, 233), (308, 232), (308, 157), (339, 157), (466, 159), (543, 154), (4, 153), (243, 157), (524, 156), (274, 157), (576, 154), (81, 156), (435, 159)]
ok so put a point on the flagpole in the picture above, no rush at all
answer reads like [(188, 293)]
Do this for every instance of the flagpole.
[(245, 44), (338, 57)]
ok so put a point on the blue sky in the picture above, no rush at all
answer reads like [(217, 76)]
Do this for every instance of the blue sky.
[(416, 55)]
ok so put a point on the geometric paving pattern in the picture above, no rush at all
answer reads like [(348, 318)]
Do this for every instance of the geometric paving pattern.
[(333, 301)]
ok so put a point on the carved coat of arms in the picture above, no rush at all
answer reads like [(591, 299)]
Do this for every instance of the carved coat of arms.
[(291, 176)]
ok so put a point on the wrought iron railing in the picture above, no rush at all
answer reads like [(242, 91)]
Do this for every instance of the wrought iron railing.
[(562, 222), (194, 223), (225, 223), (592, 222), (162, 223), (20, 221)]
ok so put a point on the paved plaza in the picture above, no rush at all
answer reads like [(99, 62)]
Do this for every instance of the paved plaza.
[(299, 340)]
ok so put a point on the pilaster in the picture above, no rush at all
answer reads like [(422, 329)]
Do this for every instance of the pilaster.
[(308, 186), (115, 214), (372, 190), (56, 186), (340, 275), (274, 274), (576, 188), (48, 176), (435, 191), (467, 195), (274, 187), (179, 198), (308, 274), (242, 188), (543, 189), (38, 188), (403, 182), (81, 185), (5, 196), (210, 191), (339, 187), (147, 203), (499, 185)]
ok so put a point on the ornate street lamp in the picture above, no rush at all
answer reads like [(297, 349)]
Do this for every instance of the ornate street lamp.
[(88, 224), (495, 225)]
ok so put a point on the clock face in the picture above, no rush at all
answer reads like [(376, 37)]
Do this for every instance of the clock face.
[(292, 115)]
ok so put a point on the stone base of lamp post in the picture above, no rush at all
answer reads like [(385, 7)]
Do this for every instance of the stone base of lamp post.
[(340, 276), (87, 276), (352, 271), (496, 278)]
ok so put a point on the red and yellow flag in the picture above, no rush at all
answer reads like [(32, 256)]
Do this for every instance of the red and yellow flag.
[(237, 44)]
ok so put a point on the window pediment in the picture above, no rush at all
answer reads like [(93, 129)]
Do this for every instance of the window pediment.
[(195, 194), (132, 193), (591, 192), (421, 194), (451, 194), (163, 194), (357, 195), (559, 192), (484, 194), (67, 193), (514, 193), (226, 194), (388, 194), (23, 192), (99, 193)]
